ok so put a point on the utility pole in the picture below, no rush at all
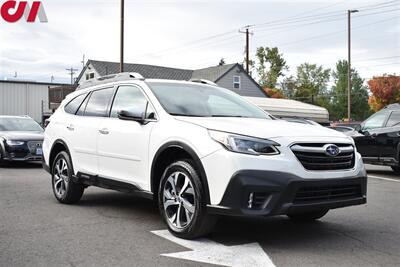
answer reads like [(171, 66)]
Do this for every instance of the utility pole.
[(121, 66), (72, 71), (349, 12), (83, 61), (247, 32)]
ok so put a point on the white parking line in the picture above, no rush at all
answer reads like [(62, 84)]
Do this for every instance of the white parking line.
[(383, 178), (207, 251)]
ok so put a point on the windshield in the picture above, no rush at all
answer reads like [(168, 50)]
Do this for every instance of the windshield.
[(19, 124), (197, 100)]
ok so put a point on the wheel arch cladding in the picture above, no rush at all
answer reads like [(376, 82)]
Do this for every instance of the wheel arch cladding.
[(169, 153), (58, 146)]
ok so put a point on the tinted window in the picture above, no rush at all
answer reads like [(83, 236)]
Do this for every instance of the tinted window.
[(19, 124), (394, 119), (182, 99), (129, 97), (99, 102), (376, 121), (74, 104)]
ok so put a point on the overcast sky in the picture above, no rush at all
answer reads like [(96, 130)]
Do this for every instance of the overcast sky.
[(196, 34)]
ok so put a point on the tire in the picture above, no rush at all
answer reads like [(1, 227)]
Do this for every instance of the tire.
[(65, 189), (396, 169), (308, 216), (2, 161), (181, 200)]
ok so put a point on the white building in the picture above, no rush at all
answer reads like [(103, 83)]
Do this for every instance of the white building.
[(25, 98)]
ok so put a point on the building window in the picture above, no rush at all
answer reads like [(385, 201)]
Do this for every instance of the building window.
[(89, 76), (236, 82)]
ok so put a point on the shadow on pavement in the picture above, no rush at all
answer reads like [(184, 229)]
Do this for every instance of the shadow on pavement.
[(277, 231), (229, 231), (22, 165)]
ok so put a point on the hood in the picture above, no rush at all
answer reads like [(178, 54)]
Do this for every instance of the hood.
[(262, 128), (22, 136)]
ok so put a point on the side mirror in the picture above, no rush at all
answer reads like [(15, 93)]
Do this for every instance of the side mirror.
[(358, 128), (137, 115)]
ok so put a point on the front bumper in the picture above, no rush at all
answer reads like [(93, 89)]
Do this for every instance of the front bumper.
[(22, 153), (279, 193)]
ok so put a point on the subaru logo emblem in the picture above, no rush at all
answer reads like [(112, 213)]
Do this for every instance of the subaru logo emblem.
[(332, 150)]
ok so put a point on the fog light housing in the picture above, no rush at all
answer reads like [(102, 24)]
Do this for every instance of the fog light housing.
[(258, 200)]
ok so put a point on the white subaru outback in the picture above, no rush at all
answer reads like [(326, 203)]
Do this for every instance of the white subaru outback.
[(200, 151)]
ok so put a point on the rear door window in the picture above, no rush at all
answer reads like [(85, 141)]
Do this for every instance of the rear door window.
[(99, 103)]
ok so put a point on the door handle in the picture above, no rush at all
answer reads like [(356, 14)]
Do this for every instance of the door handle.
[(374, 135), (104, 131), (70, 127)]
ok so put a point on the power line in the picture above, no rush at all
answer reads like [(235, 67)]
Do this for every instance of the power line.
[(72, 71), (322, 20)]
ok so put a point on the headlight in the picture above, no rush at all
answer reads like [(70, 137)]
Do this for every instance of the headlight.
[(245, 144), (14, 143)]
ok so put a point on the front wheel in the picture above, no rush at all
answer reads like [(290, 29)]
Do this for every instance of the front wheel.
[(396, 169), (2, 161), (182, 202), (308, 216), (64, 188)]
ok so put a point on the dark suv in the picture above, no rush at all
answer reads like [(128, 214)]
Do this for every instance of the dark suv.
[(380, 140)]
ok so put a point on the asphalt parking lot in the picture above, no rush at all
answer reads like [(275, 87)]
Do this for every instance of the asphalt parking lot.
[(110, 228)]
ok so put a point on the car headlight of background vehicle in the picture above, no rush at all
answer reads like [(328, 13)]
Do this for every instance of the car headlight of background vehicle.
[(245, 144), (14, 143)]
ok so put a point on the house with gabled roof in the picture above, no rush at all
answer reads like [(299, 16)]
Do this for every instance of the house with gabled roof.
[(229, 76)]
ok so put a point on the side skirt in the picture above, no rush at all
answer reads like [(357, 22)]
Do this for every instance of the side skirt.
[(95, 180)]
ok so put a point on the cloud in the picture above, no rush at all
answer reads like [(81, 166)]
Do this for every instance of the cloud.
[(174, 33)]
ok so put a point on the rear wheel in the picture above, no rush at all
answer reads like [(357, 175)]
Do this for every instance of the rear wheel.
[(182, 201), (65, 189), (308, 216)]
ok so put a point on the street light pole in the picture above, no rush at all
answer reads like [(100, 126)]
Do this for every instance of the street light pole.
[(121, 66), (349, 63)]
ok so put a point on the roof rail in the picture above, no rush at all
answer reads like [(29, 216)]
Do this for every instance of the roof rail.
[(111, 78), (203, 81)]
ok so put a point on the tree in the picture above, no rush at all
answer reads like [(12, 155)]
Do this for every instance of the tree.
[(359, 94), (385, 90), (311, 84), (269, 78), (221, 62), (288, 86), (273, 92)]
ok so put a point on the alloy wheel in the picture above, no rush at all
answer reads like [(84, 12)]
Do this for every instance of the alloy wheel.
[(179, 200), (61, 178)]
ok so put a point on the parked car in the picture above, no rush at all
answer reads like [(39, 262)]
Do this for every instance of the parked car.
[(380, 140), (198, 150), (353, 124), (21, 139), (348, 131)]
